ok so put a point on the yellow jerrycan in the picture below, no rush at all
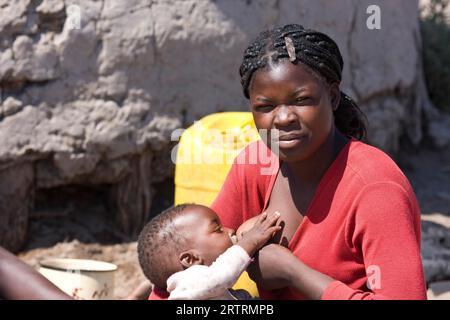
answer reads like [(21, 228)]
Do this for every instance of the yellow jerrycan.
[(204, 156)]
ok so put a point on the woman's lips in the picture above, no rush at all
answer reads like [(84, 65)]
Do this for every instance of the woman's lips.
[(289, 136), (289, 140)]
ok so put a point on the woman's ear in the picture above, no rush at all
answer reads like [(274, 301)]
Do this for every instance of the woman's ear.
[(335, 95), (190, 258)]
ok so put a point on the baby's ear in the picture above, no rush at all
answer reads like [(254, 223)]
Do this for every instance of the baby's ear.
[(190, 258)]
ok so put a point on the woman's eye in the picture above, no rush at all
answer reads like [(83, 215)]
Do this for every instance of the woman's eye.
[(264, 108), (303, 100)]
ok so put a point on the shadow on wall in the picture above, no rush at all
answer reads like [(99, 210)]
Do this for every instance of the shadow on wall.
[(83, 213)]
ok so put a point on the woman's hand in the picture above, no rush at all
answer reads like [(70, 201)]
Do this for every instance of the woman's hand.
[(276, 267), (273, 267)]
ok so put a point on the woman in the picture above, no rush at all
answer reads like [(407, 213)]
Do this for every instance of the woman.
[(351, 221)]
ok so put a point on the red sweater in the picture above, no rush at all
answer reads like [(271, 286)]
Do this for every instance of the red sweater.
[(363, 223), (158, 294)]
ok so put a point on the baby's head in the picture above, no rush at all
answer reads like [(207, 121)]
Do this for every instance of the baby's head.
[(178, 238)]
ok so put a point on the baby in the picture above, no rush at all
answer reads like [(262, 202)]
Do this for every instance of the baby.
[(186, 252)]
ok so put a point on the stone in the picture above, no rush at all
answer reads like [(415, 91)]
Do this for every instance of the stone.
[(439, 131), (11, 106), (6, 64), (13, 16), (35, 62), (71, 164), (435, 251), (50, 6), (439, 291)]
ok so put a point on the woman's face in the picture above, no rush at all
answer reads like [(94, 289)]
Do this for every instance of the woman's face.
[(296, 106)]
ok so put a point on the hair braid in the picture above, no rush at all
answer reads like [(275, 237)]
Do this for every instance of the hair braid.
[(315, 50)]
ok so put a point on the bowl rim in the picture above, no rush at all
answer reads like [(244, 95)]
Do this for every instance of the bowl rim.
[(53, 263)]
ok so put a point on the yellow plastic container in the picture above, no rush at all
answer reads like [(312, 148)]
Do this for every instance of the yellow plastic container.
[(204, 156), (206, 152)]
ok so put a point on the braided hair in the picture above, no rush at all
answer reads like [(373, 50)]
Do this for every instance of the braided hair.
[(319, 53)]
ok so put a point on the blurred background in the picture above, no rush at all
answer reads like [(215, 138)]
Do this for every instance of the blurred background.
[(91, 90)]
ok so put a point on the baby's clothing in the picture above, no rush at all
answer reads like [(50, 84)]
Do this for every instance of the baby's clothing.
[(211, 282)]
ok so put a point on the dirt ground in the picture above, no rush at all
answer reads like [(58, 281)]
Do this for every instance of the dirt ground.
[(124, 255), (89, 236)]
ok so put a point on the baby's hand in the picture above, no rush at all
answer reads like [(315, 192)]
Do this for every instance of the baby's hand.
[(263, 229)]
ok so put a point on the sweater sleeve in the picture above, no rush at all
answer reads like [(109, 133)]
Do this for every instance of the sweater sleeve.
[(385, 230)]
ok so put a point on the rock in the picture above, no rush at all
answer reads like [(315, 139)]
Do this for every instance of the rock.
[(6, 64), (35, 62), (435, 251), (436, 270), (50, 6), (90, 143), (439, 290), (20, 136), (11, 106), (70, 165), (13, 16), (439, 131)]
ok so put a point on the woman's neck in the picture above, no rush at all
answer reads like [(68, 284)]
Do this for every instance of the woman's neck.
[(311, 170)]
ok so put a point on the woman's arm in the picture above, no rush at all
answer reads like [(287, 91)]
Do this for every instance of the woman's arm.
[(20, 281), (276, 267), (384, 228)]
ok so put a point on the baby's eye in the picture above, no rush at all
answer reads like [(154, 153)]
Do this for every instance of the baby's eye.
[(219, 229)]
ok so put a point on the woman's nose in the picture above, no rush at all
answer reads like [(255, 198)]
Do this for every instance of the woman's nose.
[(284, 116)]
